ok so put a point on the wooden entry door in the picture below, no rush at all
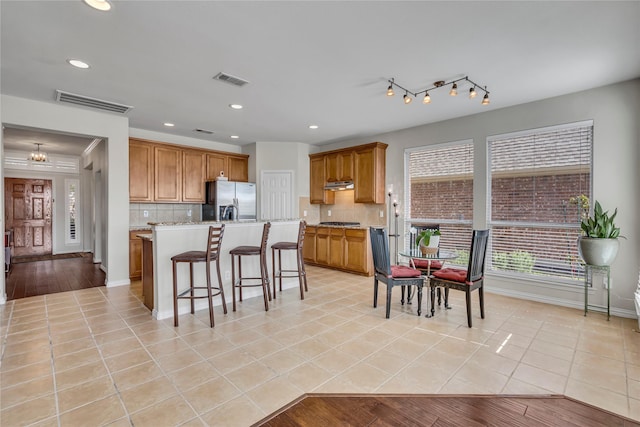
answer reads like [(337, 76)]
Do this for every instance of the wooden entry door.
[(28, 212)]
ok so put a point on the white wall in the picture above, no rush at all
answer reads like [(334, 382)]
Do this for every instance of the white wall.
[(115, 130), (183, 140), (615, 110)]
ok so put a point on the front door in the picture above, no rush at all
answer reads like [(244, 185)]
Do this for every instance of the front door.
[(28, 212)]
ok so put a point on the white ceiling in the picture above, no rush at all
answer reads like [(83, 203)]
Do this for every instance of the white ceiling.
[(324, 63)]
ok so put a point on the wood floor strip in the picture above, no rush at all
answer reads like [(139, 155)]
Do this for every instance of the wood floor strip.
[(441, 410)]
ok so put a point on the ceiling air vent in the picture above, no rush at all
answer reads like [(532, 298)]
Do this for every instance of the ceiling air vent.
[(228, 78), (208, 132), (85, 101)]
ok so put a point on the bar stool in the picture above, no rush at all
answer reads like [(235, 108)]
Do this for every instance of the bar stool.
[(300, 272), (261, 251), (212, 253)]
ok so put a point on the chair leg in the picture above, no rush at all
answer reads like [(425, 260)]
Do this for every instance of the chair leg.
[(304, 271), (233, 281), (419, 300), (389, 288), (481, 297), (375, 291), (209, 296), (275, 272), (468, 298), (239, 277), (192, 291), (446, 298), (402, 295), (433, 300), (224, 300), (266, 289), (175, 294), (301, 275)]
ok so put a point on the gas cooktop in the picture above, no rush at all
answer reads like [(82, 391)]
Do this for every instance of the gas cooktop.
[(341, 224)]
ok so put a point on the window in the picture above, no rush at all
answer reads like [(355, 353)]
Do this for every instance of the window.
[(440, 180), (71, 213), (538, 179)]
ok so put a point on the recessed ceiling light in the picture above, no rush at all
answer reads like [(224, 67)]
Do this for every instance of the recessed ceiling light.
[(169, 125), (102, 5), (313, 126), (235, 136), (77, 63), (236, 106)]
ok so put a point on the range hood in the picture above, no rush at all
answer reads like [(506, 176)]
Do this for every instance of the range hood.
[(339, 185)]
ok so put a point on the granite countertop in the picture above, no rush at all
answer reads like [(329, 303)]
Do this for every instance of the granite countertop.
[(357, 227), (239, 221), (139, 228), (145, 236)]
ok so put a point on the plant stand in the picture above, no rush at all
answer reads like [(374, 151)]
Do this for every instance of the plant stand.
[(588, 279)]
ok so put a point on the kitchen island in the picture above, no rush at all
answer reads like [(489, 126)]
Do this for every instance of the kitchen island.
[(171, 238)]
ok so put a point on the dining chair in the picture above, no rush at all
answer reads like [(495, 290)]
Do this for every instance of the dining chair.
[(464, 280), (391, 275)]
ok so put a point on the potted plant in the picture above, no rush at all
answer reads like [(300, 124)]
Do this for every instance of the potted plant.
[(599, 245), (428, 241)]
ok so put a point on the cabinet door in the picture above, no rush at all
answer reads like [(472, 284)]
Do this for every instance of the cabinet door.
[(193, 171), (336, 249), (135, 255), (238, 169), (357, 251), (369, 178), (317, 194), (140, 171), (332, 172), (216, 163), (309, 245), (323, 236), (168, 174), (345, 166)]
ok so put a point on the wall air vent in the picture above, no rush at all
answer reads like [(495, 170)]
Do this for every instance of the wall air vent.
[(228, 78), (208, 132), (85, 101)]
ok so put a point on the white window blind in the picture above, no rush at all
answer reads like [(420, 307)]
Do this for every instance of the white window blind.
[(535, 178), (440, 182)]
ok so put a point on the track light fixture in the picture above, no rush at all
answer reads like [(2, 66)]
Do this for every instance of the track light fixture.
[(408, 95)]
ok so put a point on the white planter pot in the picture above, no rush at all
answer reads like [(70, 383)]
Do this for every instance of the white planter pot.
[(600, 252)]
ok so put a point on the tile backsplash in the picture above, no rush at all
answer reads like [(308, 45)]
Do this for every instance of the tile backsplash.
[(346, 210), (163, 212)]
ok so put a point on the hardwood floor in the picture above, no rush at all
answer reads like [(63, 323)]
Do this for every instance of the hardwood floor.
[(439, 410), (29, 279)]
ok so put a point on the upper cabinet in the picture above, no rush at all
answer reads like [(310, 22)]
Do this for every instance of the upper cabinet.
[(234, 166), (363, 164), (317, 193), (172, 174), (370, 165), (140, 171)]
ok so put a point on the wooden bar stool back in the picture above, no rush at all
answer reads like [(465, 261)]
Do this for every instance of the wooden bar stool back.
[(211, 254), (261, 251), (300, 272)]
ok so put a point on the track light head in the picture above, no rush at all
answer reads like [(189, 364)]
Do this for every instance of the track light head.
[(472, 93), (454, 90), (407, 99), (485, 99), (426, 99), (390, 90)]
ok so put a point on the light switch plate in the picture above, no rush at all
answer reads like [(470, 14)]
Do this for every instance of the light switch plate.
[(329, 212), (145, 214)]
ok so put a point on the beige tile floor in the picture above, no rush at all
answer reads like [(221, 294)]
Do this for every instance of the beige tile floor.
[(96, 357)]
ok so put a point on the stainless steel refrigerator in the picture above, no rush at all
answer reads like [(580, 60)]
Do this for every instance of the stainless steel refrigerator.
[(229, 200)]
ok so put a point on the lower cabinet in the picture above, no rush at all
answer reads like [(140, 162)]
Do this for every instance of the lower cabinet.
[(346, 249), (135, 255)]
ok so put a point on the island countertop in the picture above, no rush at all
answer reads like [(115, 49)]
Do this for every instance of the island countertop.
[(172, 238)]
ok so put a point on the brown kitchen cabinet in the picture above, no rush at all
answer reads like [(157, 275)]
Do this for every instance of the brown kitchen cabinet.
[(340, 248), (147, 273), (193, 173), (317, 193), (140, 171), (234, 166), (168, 174), (238, 168), (309, 244), (216, 163), (369, 170), (339, 166), (135, 254)]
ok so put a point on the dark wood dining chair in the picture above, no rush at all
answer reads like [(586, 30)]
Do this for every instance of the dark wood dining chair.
[(391, 275), (464, 280)]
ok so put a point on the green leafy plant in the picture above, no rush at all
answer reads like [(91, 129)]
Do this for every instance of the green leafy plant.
[(601, 225), (425, 236), (520, 261)]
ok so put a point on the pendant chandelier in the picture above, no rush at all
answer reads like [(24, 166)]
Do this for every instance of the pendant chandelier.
[(408, 95), (37, 155)]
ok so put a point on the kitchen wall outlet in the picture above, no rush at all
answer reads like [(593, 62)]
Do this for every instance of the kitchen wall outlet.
[(304, 213), (329, 212), (189, 213), (145, 214), (381, 214), (227, 275)]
